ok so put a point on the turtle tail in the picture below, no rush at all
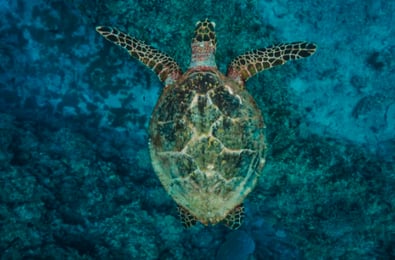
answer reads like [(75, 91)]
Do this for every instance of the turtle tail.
[(164, 66), (247, 65)]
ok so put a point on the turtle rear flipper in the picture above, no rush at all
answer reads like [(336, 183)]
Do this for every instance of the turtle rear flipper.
[(235, 218), (247, 65), (187, 219), (164, 66)]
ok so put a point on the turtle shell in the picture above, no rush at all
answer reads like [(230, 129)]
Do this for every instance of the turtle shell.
[(207, 143)]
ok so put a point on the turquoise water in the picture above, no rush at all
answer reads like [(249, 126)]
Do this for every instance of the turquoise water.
[(76, 179)]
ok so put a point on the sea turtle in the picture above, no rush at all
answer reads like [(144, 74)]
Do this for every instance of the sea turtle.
[(206, 133)]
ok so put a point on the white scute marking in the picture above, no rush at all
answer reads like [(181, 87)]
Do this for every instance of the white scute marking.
[(229, 89)]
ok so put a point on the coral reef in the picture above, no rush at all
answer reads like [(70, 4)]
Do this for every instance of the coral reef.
[(76, 180)]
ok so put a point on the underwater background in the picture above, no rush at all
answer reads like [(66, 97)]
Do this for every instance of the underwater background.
[(76, 180)]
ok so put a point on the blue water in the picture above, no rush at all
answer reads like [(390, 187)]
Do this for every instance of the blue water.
[(76, 179)]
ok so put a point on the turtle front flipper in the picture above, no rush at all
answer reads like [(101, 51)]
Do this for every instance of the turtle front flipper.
[(235, 218), (164, 66), (247, 65)]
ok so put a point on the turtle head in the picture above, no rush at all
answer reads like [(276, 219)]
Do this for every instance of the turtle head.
[(203, 45)]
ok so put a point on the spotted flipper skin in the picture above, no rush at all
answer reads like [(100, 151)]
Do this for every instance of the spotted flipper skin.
[(235, 218), (187, 219), (247, 65), (164, 66)]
